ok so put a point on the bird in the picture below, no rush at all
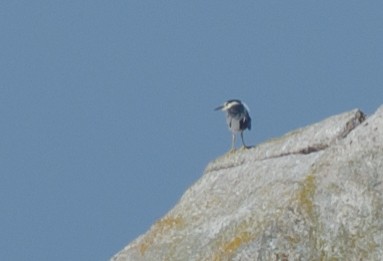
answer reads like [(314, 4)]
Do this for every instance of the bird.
[(237, 118)]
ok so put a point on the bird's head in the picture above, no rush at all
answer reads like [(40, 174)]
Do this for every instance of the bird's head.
[(227, 105)]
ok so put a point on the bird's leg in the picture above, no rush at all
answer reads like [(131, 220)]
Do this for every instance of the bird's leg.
[(233, 142), (243, 142)]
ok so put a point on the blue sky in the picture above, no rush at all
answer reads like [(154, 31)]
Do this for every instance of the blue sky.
[(107, 106)]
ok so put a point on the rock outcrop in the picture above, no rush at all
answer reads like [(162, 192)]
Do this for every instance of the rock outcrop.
[(312, 194)]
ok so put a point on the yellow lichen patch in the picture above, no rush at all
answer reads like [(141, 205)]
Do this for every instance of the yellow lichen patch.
[(227, 244), (143, 247), (160, 227), (306, 194), (238, 241)]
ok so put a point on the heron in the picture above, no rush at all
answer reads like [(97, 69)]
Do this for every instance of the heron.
[(237, 118)]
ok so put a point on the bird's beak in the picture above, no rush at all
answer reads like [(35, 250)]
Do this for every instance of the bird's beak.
[(219, 108)]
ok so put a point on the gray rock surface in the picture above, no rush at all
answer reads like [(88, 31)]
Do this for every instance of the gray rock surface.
[(312, 194)]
